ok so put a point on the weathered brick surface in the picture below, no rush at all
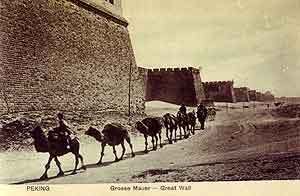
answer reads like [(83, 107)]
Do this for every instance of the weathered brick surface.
[(174, 86), (219, 91), (58, 55)]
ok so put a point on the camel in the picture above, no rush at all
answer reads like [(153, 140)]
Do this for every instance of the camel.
[(170, 123), (55, 147), (182, 120), (150, 127), (192, 121), (113, 134), (202, 115)]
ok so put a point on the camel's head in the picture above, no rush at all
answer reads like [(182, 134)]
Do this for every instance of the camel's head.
[(93, 132)]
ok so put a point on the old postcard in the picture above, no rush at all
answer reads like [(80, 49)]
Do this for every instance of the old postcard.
[(149, 97)]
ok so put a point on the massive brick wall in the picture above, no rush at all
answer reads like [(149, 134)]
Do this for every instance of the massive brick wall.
[(259, 96), (268, 96), (178, 85), (219, 91), (65, 55), (252, 95), (241, 94)]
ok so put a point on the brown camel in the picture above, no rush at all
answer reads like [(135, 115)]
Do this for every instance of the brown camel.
[(113, 134), (150, 127), (192, 121), (182, 120), (56, 147), (170, 123)]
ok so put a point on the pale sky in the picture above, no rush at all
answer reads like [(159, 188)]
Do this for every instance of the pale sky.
[(255, 43)]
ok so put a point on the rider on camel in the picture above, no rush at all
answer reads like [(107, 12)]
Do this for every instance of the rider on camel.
[(182, 109), (64, 129)]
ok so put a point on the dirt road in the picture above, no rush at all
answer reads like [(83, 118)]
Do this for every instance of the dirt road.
[(238, 145)]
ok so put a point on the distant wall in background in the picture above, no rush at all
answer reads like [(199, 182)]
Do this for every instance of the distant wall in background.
[(252, 95), (174, 85), (242, 94), (220, 91)]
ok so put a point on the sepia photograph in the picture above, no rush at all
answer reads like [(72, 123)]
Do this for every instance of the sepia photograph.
[(138, 92)]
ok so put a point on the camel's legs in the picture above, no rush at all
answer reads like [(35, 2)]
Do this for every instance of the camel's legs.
[(180, 132), (159, 135), (47, 166), (188, 130), (129, 142), (175, 132), (152, 140), (103, 144), (146, 143), (76, 164), (156, 141), (171, 134), (60, 173), (115, 153), (167, 132), (185, 132), (82, 163), (123, 149)]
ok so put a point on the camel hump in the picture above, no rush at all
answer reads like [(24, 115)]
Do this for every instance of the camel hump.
[(153, 123), (114, 129)]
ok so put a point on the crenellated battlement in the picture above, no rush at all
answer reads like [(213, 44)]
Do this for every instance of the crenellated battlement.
[(174, 69), (216, 83)]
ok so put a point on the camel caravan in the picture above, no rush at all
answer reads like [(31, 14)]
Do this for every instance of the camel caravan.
[(60, 140)]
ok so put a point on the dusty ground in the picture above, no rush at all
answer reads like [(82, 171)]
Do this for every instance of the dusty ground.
[(241, 144)]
